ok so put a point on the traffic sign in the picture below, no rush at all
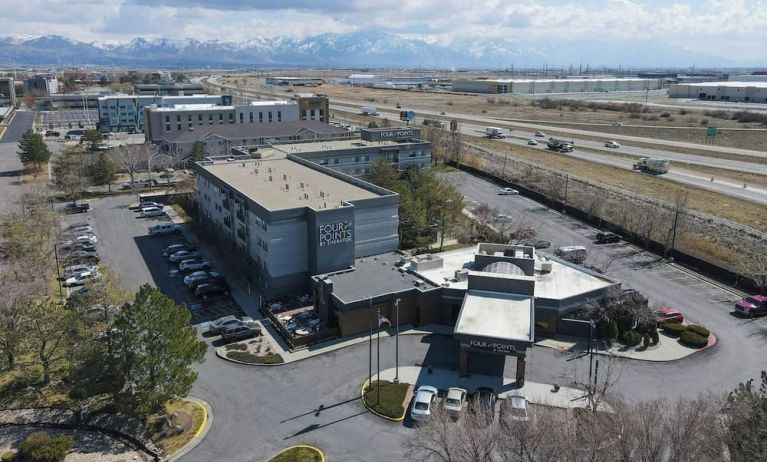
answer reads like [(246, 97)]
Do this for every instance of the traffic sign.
[(410, 115), (711, 132), (403, 115)]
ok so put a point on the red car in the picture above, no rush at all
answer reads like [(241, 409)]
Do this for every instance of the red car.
[(754, 305), (668, 315)]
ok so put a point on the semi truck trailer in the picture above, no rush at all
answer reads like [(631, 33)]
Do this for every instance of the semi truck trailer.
[(494, 132), (558, 145), (369, 111), (652, 165)]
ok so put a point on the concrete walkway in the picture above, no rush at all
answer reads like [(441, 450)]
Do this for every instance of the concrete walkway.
[(668, 348), (536, 393)]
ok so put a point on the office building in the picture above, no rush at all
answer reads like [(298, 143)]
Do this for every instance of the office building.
[(41, 85), (125, 113), (236, 139), (748, 92), (168, 89), (7, 92), (401, 147), (292, 218), (496, 297), (544, 86)]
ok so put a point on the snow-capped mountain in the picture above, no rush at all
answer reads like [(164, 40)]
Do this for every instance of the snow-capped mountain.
[(356, 49)]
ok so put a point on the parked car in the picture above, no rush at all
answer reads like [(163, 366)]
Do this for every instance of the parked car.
[(52, 133), (454, 401), (517, 406), (80, 279), (164, 229), (617, 124), (606, 237), (190, 279), (75, 246), (532, 142), (508, 192), (240, 332), (173, 248), (612, 144), (70, 271), (752, 306), (212, 278), (540, 134), (425, 398), (536, 243), (193, 265), (183, 255), (206, 291), (80, 238), (572, 253), (668, 316), (144, 204), (82, 257), (74, 207), (218, 326), (483, 402), (79, 228), (148, 212)]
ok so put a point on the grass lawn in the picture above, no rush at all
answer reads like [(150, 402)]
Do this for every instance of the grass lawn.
[(15, 391), (392, 402), (181, 213), (298, 454), (188, 415)]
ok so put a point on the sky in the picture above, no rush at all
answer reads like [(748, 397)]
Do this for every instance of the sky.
[(720, 27)]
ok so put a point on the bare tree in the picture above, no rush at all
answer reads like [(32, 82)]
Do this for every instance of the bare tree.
[(473, 438), (131, 158), (754, 266), (676, 221)]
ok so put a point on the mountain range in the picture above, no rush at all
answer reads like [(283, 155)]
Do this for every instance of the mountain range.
[(356, 49)]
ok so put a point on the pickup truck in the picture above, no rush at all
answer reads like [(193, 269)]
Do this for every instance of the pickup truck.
[(74, 207), (164, 229)]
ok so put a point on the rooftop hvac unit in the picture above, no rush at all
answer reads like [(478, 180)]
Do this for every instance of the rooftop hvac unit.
[(546, 267), (242, 165), (462, 274), (270, 177), (287, 187), (256, 170)]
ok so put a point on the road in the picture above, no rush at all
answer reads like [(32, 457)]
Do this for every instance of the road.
[(10, 166)]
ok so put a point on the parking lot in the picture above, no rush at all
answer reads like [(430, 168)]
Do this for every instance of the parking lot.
[(126, 248)]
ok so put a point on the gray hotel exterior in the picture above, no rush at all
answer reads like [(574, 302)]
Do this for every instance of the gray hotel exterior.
[(294, 218)]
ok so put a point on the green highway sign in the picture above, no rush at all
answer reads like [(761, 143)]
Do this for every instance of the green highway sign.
[(711, 132)]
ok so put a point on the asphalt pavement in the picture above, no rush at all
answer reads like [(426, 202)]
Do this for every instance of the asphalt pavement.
[(10, 166)]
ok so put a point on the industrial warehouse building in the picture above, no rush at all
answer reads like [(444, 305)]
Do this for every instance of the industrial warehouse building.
[(497, 297), (538, 86), (294, 81), (293, 218), (748, 92)]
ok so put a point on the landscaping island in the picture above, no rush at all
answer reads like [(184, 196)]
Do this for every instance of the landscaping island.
[(299, 454), (392, 400)]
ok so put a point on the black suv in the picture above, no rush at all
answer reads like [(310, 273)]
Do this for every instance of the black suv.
[(205, 291), (240, 332), (606, 237)]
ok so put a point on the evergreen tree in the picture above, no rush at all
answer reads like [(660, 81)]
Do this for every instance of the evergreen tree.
[(102, 171), (93, 138), (33, 151), (153, 350), (198, 151)]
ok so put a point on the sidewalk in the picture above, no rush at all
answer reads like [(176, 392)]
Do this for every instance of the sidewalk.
[(536, 393), (668, 348)]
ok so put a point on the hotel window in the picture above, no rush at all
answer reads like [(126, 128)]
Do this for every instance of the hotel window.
[(250, 117), (210, 119), (167, 127), (178, 117), (270, 116), (178, 127), (199, 117), (279, 116), (220, 117), (311, 114), (260, 117), (189, 118), (231, 118), (167, 118), (241, 117)]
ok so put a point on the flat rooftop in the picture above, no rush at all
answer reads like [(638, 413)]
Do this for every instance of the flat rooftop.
[(496, 315), (271, 103), (728, 83), (280, 184), (192, 107), (374, 276), (337, 145), (563, 281), (599, 79)]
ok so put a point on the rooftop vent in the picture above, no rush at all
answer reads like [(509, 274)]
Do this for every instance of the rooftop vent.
[(546, 267)]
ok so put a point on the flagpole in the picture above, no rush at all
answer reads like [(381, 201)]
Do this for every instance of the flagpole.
[(378, 357), (370, 346), (396, 343)]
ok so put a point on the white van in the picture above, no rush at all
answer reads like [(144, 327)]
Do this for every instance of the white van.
[(147, 212), (572, 253)]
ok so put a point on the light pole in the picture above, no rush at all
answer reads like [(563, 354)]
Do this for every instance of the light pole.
[(396, 341), (591, 355)]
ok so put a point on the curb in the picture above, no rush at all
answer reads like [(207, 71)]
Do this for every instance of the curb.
[(322, 455), (225, 358), (207, 422), (712, 341), (362, 397)]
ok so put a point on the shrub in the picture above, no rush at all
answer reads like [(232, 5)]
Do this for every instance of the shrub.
[(8, 456), (674, 329), (236, 346), (646, 340), (40, 447), (244, 356), (654, 336), (612, 331), (700, 330), (666, 114), (683, 111), (692, 339), (704, 122), (631, 338)]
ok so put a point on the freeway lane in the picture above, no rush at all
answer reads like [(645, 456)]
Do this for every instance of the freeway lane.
[(737, 356)]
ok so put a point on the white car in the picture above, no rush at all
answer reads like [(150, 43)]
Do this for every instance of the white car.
[(220, 324), (146, 204), (74, 270), (425, 398), (532, 143), (190, 279), (617, 124), (508, 192), (164, 229), (182, 255), (518, 408), (540, 134), (454, 401), (80, 279), (86, 238), (148, 212), (612, 144), (193, 265)]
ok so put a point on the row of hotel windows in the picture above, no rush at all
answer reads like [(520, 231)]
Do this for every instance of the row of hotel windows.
[(220, 119)]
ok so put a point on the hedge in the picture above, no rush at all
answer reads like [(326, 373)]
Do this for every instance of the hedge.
[(700, 330), (674, 329), (692, 339), (40, 447), (632, 338), (246, 357), (654, 337), (8, 456)]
